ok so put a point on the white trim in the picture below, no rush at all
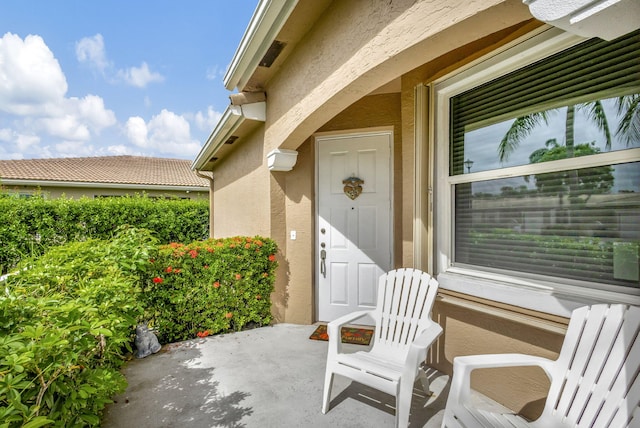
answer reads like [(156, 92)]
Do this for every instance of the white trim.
[(86, 184), (226, 126), (266, 22), (590, 161), (532, 292), (607, 19), (281, 159)]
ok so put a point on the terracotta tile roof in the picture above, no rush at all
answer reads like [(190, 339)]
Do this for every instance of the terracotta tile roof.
[(106, 169)]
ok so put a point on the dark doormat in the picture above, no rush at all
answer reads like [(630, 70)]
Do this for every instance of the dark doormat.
[(358, 336)]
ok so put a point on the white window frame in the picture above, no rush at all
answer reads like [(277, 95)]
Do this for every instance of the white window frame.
[(527, 291)]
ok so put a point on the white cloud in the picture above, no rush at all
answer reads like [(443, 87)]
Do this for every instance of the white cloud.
[(80, 118), (6, 135), (139, 76), (26, 141), (166, 133), (74, 149), (91, 50), (67, 127), (18, 140), (121, 150), (91, 108), (207, 121), (33, 97), (136, 131), (214, 72), (16, 144), (31, 80)]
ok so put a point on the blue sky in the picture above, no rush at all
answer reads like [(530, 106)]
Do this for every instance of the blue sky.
[(100, 78)]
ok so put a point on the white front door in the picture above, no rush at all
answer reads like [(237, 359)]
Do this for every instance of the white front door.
[(353, 236)]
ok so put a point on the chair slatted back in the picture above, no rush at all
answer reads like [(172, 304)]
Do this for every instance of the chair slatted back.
[(597, 382), (405, 299)]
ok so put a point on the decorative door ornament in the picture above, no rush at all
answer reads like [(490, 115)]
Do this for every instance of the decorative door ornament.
[(352, 187)]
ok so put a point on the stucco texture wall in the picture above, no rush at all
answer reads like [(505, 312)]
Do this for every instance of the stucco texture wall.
[(356, 47), (293, 211), (241, 191)]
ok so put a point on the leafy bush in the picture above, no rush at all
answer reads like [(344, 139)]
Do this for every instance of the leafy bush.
[(211, 286), (28, 227), (67, 318), (66, 321)]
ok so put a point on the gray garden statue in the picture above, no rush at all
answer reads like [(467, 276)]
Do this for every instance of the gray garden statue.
[(146, 342)]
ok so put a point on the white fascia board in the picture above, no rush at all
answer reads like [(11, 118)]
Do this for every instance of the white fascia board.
[(86, 184), (607, 19), (230, 121), (266, 22)]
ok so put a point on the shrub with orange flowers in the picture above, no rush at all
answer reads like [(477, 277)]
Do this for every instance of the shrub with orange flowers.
[(212, 286)]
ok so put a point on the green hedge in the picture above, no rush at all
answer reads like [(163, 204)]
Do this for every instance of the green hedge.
[(66, 323), (67, 318), (211, 286), (28, 227)]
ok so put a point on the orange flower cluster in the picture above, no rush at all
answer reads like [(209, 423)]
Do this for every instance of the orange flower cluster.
[(203, 333)]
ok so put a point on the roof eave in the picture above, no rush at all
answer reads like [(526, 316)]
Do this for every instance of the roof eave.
[(95, 185), (230, 121), (266, 22)]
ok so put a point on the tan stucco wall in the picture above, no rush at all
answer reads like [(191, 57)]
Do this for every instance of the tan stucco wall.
[(242, 191), (91, 192), (356, 47), (298, 205)]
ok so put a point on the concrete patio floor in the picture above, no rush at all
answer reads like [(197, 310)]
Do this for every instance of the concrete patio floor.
[(266, 377)]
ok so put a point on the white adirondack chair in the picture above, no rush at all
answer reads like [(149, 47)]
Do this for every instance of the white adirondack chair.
[(404, 332), (594, 382)]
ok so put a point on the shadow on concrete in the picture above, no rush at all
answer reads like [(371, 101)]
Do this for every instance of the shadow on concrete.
[(425, 408), (169, 390)]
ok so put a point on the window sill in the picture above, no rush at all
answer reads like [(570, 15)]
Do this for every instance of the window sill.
[(549, 298)]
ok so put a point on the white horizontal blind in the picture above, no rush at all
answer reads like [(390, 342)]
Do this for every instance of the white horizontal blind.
[(580, 224)]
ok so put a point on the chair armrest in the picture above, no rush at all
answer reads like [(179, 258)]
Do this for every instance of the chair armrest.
[(334, 327), (428, 336), (418, 350), (463, 366), (472, 362)]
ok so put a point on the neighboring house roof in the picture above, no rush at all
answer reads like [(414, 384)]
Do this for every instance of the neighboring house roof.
[(105, 171)]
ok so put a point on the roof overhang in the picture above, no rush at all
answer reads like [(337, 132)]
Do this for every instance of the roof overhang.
[(93, 185), (231, 119), (266, 22), (606, 19)]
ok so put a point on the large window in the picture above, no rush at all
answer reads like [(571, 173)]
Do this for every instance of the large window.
[(544, 169)]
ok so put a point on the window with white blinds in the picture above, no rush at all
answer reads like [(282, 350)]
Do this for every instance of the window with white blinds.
[(546, 162)]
